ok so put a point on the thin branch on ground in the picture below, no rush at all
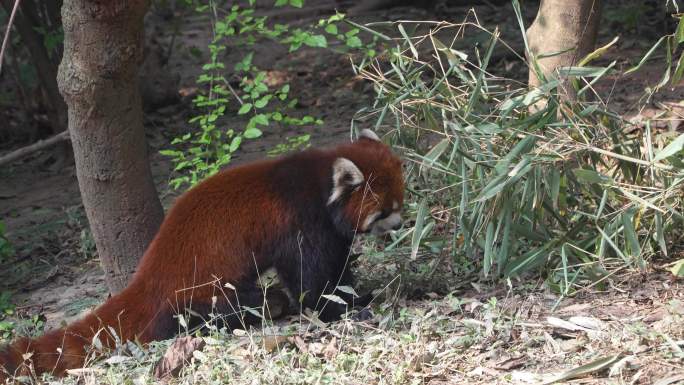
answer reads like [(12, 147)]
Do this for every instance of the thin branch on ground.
[(39, 145)]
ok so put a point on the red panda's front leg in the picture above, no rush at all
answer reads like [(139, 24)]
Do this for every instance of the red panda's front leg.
[(311, 271)]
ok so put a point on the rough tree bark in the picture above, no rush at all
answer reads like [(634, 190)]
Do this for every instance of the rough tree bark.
[(98, 79), (563, 25)]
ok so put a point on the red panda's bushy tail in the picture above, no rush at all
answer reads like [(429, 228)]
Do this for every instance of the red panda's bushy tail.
[(128, 315)]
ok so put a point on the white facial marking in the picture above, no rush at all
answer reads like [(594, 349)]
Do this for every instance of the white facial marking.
[(345, 175), (368, 134), (395, 205), (369, 220), (386, 225)]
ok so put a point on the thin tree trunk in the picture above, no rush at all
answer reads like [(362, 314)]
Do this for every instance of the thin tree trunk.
[(98, 79), (563, 25), (46, 70)]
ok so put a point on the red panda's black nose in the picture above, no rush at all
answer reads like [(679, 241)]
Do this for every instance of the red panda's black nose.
[(397, 226)]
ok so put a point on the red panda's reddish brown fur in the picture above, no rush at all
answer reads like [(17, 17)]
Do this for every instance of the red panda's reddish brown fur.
[(297, 214)]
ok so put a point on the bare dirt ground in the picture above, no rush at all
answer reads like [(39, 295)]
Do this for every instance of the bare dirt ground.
[(56, 274)]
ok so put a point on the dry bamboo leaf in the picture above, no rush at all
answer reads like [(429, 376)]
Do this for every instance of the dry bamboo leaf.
[(562, 324), (583, 370), (177, 355)]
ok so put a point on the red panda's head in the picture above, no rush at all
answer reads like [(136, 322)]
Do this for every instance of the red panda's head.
[(368, 185)]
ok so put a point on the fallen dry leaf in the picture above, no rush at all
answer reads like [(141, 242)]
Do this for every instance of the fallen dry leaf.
[(670, 380), (572, 345), (588, 322), (177, 355), (272, 342), (276, 78), (656, 315), (592, 367), (619, 311), (85, 371), (331, 350), (418, 361), (511, 363), (300, 344), (575, 308), (676, 307), (563, 324), (316, 348), (187, 91), (551, 347)]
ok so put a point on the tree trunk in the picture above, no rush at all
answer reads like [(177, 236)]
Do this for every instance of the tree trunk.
[(563, 25), (98, 79)]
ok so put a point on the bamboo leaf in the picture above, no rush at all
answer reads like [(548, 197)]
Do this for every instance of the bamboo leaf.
[(660, 234), (597, 77), (544, 55), (597, 53), (476, 92), (602, 205), (630, 234), (564, 267), (522, 147), (488, 247), (674, 147), (612, 244), (252, 311), (369, 30), (434, 154), (454, 57), (349, 290), (641, 200), (679, 34), (583, 370), (334, 298), (679, 70), (554, 187), (529, 260), (492, 188), (505, 238), (418, 228), (399, 239), (408, 40), (646, 56), (582, 71), (678, 268), (591, 176)]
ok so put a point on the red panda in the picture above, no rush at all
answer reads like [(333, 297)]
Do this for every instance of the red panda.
[(297, 214)]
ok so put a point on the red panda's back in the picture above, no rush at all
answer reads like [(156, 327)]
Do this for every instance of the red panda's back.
[(218, 227)]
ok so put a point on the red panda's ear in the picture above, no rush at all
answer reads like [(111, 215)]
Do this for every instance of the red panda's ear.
[(368, 134), (346, 176)]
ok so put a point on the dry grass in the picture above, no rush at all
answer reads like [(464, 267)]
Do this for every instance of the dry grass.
[(633, 334)]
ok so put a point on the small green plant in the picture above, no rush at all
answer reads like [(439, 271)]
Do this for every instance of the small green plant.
[(291, 144), (51, 39), (202, 153), (77, 221), (6, 310)]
